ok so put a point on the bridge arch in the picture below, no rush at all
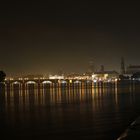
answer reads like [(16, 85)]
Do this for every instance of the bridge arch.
[(16, 82), (63, 82), (47, 82), (31, 82), (88, 81), (77, 82)]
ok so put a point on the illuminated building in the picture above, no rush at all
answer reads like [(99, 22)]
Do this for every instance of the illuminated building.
[(79, 76), (105, 75)]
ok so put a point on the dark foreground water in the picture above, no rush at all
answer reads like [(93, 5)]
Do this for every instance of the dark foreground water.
[(68, 113)]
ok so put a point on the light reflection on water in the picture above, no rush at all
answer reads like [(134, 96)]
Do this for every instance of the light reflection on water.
[(88, 113), (54, 96)]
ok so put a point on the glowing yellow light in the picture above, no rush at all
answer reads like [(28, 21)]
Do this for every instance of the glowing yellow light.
[(116, 80)]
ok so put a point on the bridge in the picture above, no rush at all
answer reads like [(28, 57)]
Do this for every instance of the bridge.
[(54, 83)]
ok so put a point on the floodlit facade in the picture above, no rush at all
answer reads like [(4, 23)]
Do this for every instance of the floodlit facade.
[(105, 76)]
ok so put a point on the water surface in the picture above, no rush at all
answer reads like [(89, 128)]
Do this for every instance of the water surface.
[(68, 113)]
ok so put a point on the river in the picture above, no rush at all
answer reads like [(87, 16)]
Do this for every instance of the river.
[(92, 113)]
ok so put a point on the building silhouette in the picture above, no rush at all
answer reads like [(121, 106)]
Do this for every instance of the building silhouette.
[(131, 69), (122, 66), (91, 68), (102, 68)]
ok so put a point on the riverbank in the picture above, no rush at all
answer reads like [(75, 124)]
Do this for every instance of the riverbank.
[(132, 132)]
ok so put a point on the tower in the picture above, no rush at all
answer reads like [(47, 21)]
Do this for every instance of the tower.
[(91, 66), (102, 68), (122, 66)]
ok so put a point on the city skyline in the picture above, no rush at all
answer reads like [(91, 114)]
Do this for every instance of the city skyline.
[(44, 37), (124, 69)]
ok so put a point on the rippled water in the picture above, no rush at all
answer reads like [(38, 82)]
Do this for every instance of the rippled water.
[(68, 113)]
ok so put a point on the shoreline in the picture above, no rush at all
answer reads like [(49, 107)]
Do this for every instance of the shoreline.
[(132, 132)]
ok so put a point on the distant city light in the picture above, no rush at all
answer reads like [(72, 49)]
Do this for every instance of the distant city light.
[(56, 77)]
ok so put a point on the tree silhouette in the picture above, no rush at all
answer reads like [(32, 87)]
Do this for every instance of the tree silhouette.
[(136, 75), (2, 76), (122, 77)]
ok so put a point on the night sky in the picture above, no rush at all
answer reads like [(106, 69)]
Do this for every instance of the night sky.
[(46, 37)]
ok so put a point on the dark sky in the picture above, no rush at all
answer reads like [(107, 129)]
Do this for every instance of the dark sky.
[(46, 36)]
